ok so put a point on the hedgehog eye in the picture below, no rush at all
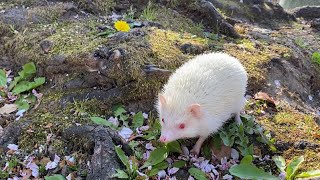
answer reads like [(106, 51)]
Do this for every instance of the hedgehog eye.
[(182, 126), (162, 120)]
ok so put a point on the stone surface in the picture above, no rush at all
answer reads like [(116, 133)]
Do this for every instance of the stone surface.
[(315, 23), (99, 143), (307, 12)]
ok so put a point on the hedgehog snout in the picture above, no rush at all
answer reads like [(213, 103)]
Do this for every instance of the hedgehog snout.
[(166, 137), (163, 139)]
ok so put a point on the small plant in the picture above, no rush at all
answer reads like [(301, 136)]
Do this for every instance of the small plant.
[(149, 13), (289, 172), (246, 43), (17, 91), (131, 166), (246, 170), (316, 58), (55, 177), (239, 135), (286, 172), (301, 43), (130, 13)]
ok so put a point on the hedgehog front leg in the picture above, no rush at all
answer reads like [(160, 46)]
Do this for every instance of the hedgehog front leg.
[(196, 148), (237, 118)]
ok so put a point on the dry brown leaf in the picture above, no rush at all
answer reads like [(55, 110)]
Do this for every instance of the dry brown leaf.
[(8, 108), (257, 151), (49, 125), (27, 173), (45, 160), (264, 96), (225, 151)]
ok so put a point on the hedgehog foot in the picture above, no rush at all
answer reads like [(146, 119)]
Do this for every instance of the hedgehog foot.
[(196, 148), (238, 119)]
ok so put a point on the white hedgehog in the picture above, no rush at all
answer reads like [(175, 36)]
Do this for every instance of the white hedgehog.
[(200, 97)]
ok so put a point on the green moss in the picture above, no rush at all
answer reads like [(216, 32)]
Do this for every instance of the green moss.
[(255, 57), (52, 119), (165, 44), (96, 6), (149, 13), (311, 158), (70, 38), (177, 22), (47, 13), (291, 126)]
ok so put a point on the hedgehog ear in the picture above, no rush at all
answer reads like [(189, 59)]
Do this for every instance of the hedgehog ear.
[(194, 110), (162, 100)]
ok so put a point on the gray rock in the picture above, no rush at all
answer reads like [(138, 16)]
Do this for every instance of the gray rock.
[(12, 132), (46, 46), (282, 146), (189, 48), (58, 59), (307, 12), (99, 142), (216, 19), (305, 144), (316, 24)]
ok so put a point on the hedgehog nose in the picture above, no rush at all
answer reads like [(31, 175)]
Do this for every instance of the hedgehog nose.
[(163, 139)]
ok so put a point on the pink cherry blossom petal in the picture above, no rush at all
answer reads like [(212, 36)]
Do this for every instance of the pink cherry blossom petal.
[(162, 174), (150, 147), (173, 170), (125, 133), (13, 147), (145, 115), (234, 154), (114, 121), (228, 177)]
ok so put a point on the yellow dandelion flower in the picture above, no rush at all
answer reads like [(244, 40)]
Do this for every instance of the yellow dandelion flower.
[(122, 26)]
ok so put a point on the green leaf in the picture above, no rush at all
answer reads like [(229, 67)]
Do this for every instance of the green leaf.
[(124, 117), (120, 174), (308, 174), (26, 86), (118, 110), (249, 171), (316, 58), (27, 70), (246, 159), (22, 103), (216, 140), (153, 172), (156, 156), (206, 151), (138, 120), (241, 130), (3, 78), (247, 117), (179, 164), (293, 166), (227, 139), (246, 150), (174, 146), (161, 166), (54, 177), (124, 159), (280, 162), (106, 33), (197, 173), (101, 121)]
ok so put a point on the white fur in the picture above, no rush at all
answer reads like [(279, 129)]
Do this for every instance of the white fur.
[(216, 81)]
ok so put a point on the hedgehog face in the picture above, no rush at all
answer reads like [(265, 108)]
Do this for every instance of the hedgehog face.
[(177, 125)]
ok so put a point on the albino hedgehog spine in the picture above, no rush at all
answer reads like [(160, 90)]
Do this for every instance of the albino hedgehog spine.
[(201, 96)]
